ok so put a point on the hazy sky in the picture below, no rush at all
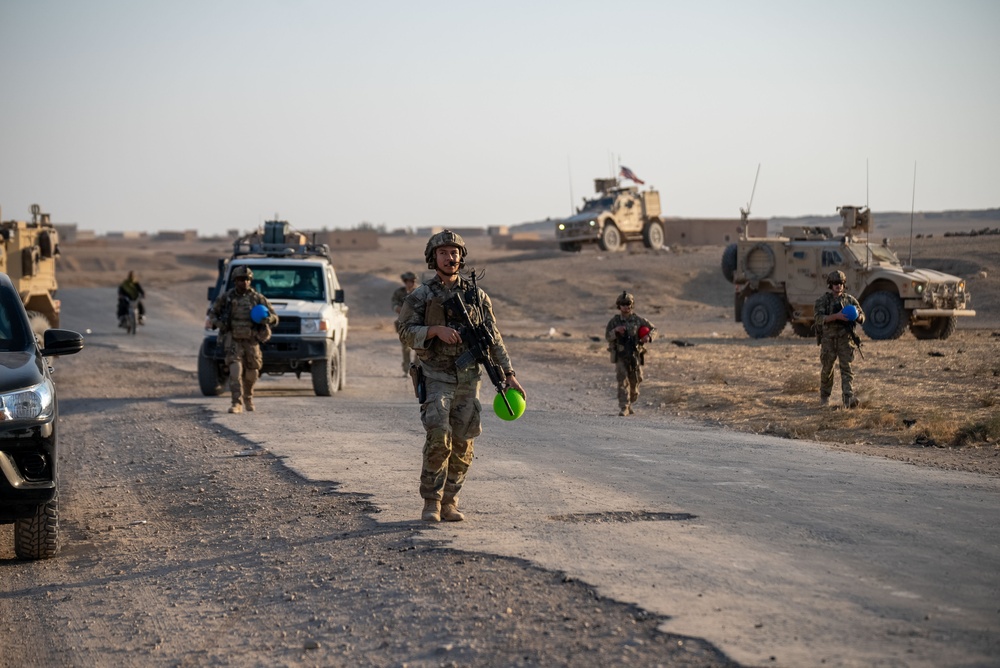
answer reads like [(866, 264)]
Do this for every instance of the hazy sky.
[(125, 115)]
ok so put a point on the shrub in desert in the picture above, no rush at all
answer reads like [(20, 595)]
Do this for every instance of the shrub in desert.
[(987, 431)]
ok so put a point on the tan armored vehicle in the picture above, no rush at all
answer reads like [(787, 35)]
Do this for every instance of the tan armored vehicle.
[(778, 280), (28, 255), (617, 215)]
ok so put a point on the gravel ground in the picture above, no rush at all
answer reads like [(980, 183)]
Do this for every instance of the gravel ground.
[(183, 545)]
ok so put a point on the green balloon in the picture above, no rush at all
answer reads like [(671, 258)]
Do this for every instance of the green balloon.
[(516, 402)]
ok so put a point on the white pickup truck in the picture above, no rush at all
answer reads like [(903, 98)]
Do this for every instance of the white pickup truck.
[(300, 281)]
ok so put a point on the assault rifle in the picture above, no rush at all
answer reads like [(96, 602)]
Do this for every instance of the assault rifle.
[(478, 338), (630, 350)]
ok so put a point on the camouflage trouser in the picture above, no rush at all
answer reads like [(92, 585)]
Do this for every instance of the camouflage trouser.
[(451, 416), (836, 348), (244, 361), (628, 383)]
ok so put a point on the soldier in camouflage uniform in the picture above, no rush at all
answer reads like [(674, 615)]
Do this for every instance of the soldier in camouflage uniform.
[(409, 284), (627, 351), (240, 336), (835, 341), (450, 411)]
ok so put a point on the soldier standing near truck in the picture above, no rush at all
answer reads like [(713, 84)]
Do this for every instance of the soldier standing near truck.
[(449, 408), (626, 334), (409, 284), (241, 335), (835, 334)]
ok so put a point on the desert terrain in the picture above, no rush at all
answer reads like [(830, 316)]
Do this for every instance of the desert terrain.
[(931, 403)]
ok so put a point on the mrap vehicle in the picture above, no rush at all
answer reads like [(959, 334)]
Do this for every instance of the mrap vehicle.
[(616, 215), (301, 283), (779, 279), (28, 251)]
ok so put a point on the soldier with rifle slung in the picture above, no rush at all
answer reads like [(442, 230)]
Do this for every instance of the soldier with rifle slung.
[(626, 334), (837, 314), (439, 329)]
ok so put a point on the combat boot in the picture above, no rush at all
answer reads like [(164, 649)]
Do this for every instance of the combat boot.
[(236, 408), (432, 511), (624, 411), (851, 401), (248, 402), (824, 400), (450, 512)]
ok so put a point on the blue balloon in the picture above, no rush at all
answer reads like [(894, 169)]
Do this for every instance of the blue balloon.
[(259, 313), (851, 311)]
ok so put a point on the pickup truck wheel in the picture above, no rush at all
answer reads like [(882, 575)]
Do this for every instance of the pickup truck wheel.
[(729, 262), (208, 374), (326, 375), (611, 239), (37, 536), (885, 317), (764, 315), (940, 328), (652, 236)]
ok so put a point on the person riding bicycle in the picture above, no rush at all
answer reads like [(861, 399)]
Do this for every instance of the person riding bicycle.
[(129, 289)]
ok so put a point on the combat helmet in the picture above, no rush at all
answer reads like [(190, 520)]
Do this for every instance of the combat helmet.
[(836, 277), (243, 270), (408, 276), (625, 299), (444, 238)]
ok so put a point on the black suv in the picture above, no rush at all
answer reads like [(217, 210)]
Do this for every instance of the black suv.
[(29, 496)]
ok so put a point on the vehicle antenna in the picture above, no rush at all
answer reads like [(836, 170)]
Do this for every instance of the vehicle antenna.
[(569, 171), (913, 200), (868, 248), (745, 213)]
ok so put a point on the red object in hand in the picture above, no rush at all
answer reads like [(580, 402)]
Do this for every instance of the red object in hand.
[(643, 332)]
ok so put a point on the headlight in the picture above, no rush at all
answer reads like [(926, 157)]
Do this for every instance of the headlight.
[(315, 325), (32, 403), (918, 288), (593, 222), (562, 226), (961, 286)]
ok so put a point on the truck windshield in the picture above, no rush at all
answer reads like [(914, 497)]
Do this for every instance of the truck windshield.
[(14, 332), (875, 253), (284, 282), (599, 203)]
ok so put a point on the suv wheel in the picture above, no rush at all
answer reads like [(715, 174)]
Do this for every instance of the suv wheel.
[(885, 317), (611, 239), (208, 373), (37, 536), (764, 315), (326, 375)]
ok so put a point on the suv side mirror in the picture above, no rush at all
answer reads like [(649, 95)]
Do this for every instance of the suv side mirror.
[(338, 296), (61, 342)]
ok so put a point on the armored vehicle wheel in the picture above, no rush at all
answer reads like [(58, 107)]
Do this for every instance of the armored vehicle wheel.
[(885, 317), (326, 375), (652, 236), (611, 239), (37, 536), (208, 374), (570, 246), (940, 328), (764, 315), (729, 262), (805, 330)]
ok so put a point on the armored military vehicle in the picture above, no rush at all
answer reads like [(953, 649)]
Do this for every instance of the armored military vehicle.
[(301, 283), (28, 253), (617, 215), (778, 280)]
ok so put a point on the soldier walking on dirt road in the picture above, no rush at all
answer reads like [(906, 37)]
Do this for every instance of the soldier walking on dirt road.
[(626, 334), (241, 334), (409, 285), (450, 408), (837, 313)]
